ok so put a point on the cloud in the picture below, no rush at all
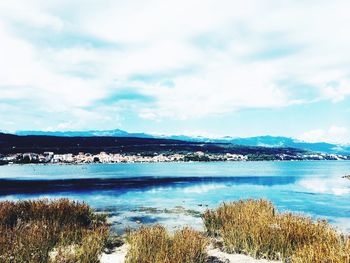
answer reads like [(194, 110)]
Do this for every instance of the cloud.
[(179, 59), (333, 134)]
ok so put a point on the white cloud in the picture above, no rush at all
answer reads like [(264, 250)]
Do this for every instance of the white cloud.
[(334, 134), (336, 92), (221, 56), (29, 13)]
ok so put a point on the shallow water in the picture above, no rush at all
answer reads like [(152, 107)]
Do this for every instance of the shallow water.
[(174, 194)]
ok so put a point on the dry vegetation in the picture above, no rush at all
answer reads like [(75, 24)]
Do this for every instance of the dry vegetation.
[(253, 227), (64, 231), (50, 231), (155, 245), (323, 253)]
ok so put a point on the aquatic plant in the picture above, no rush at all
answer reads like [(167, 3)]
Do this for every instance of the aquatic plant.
[(50, 231), (155, 245), (253, 227)]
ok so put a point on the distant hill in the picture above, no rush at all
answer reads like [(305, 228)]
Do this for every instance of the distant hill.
[(10, 143), (263, 141), (271, 141)]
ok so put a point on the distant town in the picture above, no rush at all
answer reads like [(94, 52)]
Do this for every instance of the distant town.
[(18, 149), (103, 157)]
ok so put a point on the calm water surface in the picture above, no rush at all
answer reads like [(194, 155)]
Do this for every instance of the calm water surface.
[(174, 194)]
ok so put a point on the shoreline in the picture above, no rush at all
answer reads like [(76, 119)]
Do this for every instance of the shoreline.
[(174, 162), (160, 157)]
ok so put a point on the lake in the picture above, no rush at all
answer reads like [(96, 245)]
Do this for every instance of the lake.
[(174, 194)]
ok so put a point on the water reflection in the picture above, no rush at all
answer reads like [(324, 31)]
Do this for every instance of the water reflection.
[(175, 194), (17, 186)]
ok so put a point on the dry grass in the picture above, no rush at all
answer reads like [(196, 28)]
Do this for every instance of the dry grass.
[(316, 253), (50, 231), (253, 227), (64, 231), (156, 245)]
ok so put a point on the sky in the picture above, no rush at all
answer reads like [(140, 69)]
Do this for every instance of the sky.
[(206, 67)]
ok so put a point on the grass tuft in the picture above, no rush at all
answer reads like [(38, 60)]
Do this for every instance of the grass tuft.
[(323, 253), (155, 245), (253, 227), (50, 231)]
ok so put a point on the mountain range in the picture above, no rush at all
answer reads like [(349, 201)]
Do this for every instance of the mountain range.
[(264, 141)]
